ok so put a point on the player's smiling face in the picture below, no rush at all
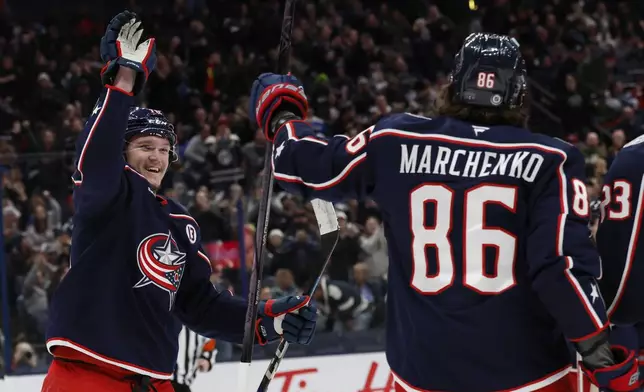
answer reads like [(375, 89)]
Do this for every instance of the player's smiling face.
[(150, 156)]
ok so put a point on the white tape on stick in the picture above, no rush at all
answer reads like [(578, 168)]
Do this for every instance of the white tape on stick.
[(325, 215)]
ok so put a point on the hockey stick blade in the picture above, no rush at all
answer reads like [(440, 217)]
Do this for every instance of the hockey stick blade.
[(329, 235)]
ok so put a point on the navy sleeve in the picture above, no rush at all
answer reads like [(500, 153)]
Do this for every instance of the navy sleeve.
[(619, 237), (206, 310), (563, 262), (331, 169), (346, 297), (99, 154)]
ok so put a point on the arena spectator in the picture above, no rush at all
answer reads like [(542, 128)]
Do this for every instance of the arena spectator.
[(213, 226), (24, 359), (253, 156), (374, 245), (275, 241), (284, 284), (347, 251), (372, 291), (341, 304)]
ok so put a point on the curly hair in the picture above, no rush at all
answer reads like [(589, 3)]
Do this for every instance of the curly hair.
[(444, 106)]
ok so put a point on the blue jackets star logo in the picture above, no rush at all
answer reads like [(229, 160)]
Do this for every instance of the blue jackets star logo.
[(161, 263)]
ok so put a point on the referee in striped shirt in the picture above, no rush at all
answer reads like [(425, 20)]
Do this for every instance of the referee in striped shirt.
[(196, 353)]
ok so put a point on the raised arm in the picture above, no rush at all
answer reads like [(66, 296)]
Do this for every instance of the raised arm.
[(332, 169), (99, 153)]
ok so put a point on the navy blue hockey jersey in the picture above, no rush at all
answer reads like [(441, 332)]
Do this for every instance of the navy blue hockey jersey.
[(491, 266), (340, 299), (618, 238), (137, 269)]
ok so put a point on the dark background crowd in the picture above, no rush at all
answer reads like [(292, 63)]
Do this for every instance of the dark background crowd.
[(358, 59)]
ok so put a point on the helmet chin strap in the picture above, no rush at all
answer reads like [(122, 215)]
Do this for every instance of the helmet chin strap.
[(154, 189)]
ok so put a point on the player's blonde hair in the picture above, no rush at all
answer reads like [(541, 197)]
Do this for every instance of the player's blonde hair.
[(443, 106)]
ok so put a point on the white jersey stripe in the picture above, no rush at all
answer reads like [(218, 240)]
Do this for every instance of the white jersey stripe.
[(630, 253)]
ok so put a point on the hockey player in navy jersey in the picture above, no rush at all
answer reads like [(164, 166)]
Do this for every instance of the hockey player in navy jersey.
[(618, 237), (491, 269), (621, 244), (137, 268)]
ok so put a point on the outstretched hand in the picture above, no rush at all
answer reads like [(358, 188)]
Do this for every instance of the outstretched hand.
[(272, 94), (291, 318), (120, 48)]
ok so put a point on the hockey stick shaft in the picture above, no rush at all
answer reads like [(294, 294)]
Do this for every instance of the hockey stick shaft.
[(329, 234), (264, 213)]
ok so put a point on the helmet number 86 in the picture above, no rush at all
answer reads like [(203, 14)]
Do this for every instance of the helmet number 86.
[(485, 80)]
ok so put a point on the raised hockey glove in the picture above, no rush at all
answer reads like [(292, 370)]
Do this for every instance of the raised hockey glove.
[(273, 94), (292, 318), (621, 374), (120, 47)]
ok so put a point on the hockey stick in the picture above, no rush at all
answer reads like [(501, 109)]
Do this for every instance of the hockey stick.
[(329, 234), (264, 212)]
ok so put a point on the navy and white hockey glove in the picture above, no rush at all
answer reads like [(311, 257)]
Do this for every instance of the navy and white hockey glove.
[(120, 47), (291, 318), (272, 94)]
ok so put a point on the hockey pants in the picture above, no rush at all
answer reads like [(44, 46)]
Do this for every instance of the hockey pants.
[(78, 375), (180, 387)]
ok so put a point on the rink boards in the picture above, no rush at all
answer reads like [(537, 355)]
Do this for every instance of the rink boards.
[(333, 373)]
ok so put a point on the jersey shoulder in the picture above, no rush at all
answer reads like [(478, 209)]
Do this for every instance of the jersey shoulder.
[(628, 161), (408, 124), (571, 152), (414, 126), (181, 216), (405, 122), (427, 125), (175, 207), (632, 153), (636, 144)]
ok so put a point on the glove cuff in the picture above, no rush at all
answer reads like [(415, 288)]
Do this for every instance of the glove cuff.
[(264, 334), (623, 376), (275, 308), (277, 121), (108, 72), (141, 73)]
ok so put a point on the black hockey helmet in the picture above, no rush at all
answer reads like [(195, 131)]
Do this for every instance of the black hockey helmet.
[(489, 71), (151, 122)]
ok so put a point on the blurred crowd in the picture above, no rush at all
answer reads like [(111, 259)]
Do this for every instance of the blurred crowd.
[(358, 59)]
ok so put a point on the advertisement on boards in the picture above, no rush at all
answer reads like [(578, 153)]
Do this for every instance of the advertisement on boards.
[(334, 373)]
